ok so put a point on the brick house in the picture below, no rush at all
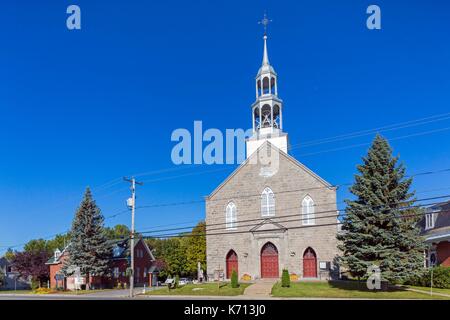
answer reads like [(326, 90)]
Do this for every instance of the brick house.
[(435, 228), (144, 262), (270, 205)]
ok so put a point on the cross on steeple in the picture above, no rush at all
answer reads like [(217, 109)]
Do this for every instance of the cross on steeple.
[(265, 22)]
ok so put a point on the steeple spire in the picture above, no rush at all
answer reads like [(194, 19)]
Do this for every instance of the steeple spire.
[(267, 110), (265, 61), (265, 22)]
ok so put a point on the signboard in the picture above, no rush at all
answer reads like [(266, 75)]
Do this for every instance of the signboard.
[(219, 275), (324, 265), (59, 277), (80, 280)]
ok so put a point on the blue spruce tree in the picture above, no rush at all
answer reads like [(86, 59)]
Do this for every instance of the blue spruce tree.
[(380, 225), (88, 249)]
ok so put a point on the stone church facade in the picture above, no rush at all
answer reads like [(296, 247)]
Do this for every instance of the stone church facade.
[(271, 215)]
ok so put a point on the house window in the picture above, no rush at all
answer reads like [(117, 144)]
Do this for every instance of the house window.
[(308, 211), (138, 272), (145, 272), (267, 203), (429, 220), (231, 216), (116, 272)]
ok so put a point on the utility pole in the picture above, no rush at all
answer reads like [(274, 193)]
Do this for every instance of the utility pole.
[(133, 182)]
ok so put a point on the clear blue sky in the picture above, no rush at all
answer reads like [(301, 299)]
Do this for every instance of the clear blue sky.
[(85, 107)]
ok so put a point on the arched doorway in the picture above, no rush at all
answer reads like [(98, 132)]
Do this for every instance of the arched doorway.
[(309, 264), (269, 261), (232, 263)]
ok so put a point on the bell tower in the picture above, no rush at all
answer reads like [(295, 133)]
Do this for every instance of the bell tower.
[(267, 110)]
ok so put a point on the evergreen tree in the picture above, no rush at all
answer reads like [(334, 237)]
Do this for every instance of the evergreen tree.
[(380, 226), (285, 279), (234, 279), (88, 249)]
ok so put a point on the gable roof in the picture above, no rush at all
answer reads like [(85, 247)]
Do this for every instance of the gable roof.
[(124, 248), (277, 226), (441, 227), (283, 154), (54, 260), (123, 244)]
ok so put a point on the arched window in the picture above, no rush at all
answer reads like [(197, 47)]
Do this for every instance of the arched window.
[(308, 211), (266, 116), (267, 203), (231, 216), (266, 86)]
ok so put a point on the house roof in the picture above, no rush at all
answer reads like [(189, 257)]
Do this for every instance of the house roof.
[(283, 154), (120, 250), (441, 227), (55, 260), (4, 262)]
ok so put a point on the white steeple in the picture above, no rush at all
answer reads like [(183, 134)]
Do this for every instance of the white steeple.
[(267, 109)]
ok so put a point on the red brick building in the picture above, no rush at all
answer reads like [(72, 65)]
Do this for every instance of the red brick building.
[(436, 230), (144, 267)]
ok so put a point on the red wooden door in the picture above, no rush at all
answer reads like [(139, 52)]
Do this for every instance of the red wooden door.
[(309, 264), (232, 263), (269, 261)]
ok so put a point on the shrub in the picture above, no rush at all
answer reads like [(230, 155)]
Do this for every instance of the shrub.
[(285, 279), (35, 284), (42, 291), (246, 277), (234, 279), (441, 278)]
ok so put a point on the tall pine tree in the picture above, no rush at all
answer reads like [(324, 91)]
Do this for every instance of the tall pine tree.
[(88, 249), (380, 226)]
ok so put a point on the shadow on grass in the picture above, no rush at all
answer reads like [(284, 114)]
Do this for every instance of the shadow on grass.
[(360, 286)]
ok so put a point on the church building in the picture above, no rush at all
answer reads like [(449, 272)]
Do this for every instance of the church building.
[(271, 215)]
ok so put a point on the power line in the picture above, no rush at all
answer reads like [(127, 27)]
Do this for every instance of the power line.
[(265, 230), (289, 208), (369, 143), (316, 213), (170, 204), (391, 127)]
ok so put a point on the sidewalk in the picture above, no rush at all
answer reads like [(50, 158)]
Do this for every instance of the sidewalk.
[(428, 292), (260, 289)]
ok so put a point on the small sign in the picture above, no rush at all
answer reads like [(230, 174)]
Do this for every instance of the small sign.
[(59, 277), (80, 280), (324, 265)]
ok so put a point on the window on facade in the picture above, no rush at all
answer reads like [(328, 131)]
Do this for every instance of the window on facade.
[(145, 272), (231, 216), (138, 272), (308, 211), (267, 203), (429, 220), (116, 272)]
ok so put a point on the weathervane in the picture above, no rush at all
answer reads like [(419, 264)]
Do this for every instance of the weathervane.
[(265, 22)]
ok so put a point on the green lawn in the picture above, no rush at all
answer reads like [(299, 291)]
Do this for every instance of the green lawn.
[(204, 289), (343, 289), (427, 289)]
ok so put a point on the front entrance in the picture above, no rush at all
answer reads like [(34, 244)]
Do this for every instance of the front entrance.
[(269, 261), (309, 264), (232, 263)]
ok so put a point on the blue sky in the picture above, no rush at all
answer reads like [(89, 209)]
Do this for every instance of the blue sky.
[(86, 107)]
